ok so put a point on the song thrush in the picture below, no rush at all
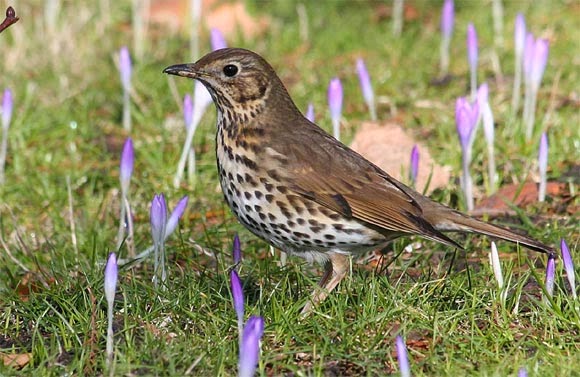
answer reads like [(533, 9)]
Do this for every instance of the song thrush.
[(295, 186)]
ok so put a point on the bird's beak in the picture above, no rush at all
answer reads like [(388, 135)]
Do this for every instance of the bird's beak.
[(183, 70)]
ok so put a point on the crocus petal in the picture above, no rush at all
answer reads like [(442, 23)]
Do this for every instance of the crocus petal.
[(402, 357), (550, 273), (237, 250), (472, 45), (125, 68), (486, 114), (568, 266), (520, 34), (522, 372), (158, 218), (111, 271), (539, 61), (310, 113), (335, 98), (7, 104), (414, 162), (217, 40), (187, 110), (250, 348), (364, 81), (237, 294), (127, 162), (175, 216), (447, 18)]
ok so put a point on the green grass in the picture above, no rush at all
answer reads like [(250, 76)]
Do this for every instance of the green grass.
[(67, 123)]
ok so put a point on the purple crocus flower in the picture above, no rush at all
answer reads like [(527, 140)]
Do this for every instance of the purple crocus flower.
[(335, 104), (447, 18), (127, 162), (111, 271), (466, 115), (528, 56), (568, 266), (519, 42), (414, 163), (522, 372), (7, 105), (158, 218), (237, 250), (187, 110), (550, 274), (539, 61), (217, 40), (366, 87), (125, 68), (543, 166), (237, 298), (488, 130), (402, 357), (173, 219), (519, 34), (472, 57), (250, 347), (310, 113)]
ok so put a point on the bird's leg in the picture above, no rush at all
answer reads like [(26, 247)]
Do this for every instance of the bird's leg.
[(335, 269)]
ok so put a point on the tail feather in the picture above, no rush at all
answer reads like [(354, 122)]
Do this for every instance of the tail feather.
[(454, 221)]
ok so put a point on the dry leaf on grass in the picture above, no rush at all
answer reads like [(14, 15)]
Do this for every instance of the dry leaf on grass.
[(229, 17), (389, 147), (16, 360)]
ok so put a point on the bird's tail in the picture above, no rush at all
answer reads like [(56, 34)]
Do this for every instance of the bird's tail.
[(445, 219)]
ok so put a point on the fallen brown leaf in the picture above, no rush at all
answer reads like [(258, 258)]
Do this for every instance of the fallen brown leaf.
[(16, 360), (389, 147)]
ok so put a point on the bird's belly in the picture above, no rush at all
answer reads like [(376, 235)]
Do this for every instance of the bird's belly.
[(286, 220)]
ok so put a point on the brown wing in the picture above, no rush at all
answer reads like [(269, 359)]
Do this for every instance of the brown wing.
[(324, 170)]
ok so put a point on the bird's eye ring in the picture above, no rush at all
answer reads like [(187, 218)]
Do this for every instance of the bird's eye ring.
[(230, 70)]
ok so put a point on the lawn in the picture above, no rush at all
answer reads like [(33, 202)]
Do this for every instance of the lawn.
[(61, 200)]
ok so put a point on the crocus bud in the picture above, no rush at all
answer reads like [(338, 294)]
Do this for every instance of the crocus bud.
[(310, 113), (466, 115), (539, 61), (237, 250), (125, 68), (402, 357), (250, 347), (237, 295), (335, 98), (111, 271), (217, 40), (127, 162), (7, 104), (472, 45), (568, 266), (550, 274), (158, 216), (519, 34), (414, 163), (365, 85), (447, 18), (187, 110)]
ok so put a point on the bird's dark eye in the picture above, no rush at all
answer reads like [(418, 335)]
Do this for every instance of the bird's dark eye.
[(230, 70)]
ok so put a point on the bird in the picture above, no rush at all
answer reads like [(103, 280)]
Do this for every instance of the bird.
[(304, 192)]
